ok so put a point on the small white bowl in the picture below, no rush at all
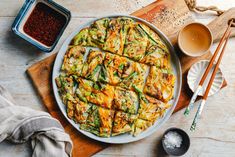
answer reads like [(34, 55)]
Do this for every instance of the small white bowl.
[(195, 74)]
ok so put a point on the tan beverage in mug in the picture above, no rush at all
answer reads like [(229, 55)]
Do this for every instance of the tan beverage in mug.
[(195, 39)]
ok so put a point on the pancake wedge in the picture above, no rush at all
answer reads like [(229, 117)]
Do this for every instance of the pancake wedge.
[(125, 100), (65, 86), (111, 71), (160, 84), (98, 31), (82, 109), (97, 93), (106, 121), (93, 64), (93, 121), (73, 60), (84, 89), (156, 53), (116, 34), (136, 43), (139, 126), (83, 38), (99, 121), (151, 109), (155, 56), (153, 36), (122, 123), (102, 95), (133, 75)]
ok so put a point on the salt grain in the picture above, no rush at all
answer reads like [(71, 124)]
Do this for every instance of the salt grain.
[(172, 139)]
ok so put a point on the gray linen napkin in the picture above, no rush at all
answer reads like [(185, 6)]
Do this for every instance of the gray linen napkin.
[(19, 124)]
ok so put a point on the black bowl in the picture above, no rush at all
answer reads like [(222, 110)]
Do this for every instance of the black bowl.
[(184, 145)]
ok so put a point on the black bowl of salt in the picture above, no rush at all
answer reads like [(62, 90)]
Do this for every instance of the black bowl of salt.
[(175, 141)]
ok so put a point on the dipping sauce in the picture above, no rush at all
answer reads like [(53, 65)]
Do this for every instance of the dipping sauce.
[(44, 24), (195, 39)]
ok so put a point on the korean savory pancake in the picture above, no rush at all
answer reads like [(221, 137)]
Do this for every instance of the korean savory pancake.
[(81, 111), (160, 84), (102, 95), (106, 121), (92, 123), (133, 75), (136, 43), (83, 38), (98, 31), (116, 34), (139, 126), (95, 92), (92, 66), (112, 69), (65, 86), (156, 53), (84, 89), (73, 60), (99, 121), (77, 110), (122, 123), (155, 56), (94, 35), (116, 77), (153, 36), (125, 100), (151, 109)]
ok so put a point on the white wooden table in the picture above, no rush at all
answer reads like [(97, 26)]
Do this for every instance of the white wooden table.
[(215, 135)]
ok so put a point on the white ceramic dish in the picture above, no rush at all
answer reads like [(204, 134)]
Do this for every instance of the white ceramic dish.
[(125, 138), (195, 74)]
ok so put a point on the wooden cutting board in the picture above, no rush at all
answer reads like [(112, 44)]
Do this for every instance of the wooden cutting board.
[(169, 16)]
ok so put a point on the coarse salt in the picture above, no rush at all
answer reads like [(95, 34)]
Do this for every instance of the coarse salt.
[(172, 139)]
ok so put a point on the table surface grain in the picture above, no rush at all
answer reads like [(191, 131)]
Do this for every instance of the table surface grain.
[(215, 135)]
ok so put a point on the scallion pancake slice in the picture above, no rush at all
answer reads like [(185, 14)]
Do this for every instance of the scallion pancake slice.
[(139, 126), (151, 109), (99, 121), (112, 69), (156, 53), (93, 121), (153, 36), (98, 31), (106, 121), (93, 64), (96, 93), (136, 43), (73, 60), (125, 100), (160, 84), (122, 123), (133, 75), (83, 38), (116, 34), (65, 86)]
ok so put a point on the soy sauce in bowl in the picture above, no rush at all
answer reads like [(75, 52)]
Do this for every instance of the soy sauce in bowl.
[(44, 24), (41, 23)]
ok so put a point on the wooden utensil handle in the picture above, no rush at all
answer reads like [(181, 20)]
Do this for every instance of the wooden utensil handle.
[(216, 68), (214, 56)]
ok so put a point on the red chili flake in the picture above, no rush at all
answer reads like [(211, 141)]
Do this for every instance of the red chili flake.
[(44, 24)]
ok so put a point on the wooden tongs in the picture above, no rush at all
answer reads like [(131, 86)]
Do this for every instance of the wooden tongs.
[(224, 41)]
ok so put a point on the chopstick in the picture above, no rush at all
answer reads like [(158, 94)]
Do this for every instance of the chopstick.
[(204, 98), (199, 88)]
